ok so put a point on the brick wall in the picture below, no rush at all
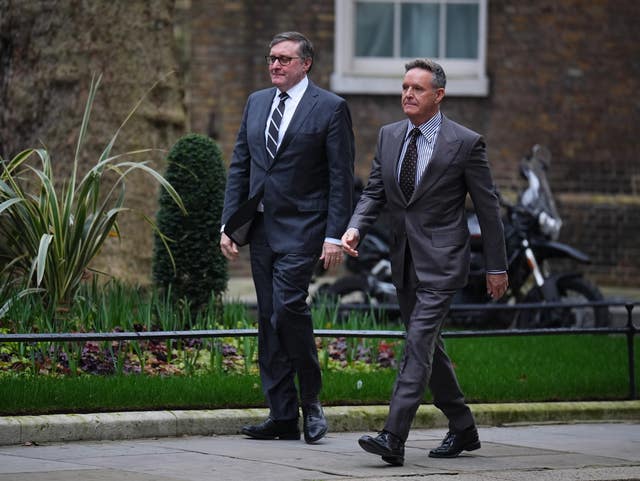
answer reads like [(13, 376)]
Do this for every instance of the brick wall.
[(563, 74)]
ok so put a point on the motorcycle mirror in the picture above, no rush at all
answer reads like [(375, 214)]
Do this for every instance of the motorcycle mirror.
[(542, 154)]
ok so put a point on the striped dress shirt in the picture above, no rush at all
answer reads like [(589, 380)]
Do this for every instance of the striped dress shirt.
[(425, 144)]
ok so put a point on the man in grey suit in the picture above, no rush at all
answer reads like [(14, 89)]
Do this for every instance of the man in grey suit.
[(294, 155), (423, 169)]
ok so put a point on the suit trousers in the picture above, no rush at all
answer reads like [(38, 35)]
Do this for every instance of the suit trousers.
[(286, 344), (425, 361)]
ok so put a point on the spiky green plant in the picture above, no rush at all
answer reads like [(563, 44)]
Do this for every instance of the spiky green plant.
[(50, 236)]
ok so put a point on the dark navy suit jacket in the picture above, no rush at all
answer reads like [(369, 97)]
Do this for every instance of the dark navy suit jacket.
[(308, 187)]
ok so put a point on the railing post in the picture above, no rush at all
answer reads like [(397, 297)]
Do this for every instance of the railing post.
[(631, 330)]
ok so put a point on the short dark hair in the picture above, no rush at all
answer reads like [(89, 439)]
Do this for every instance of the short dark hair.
[(304, 44), (439, 78)]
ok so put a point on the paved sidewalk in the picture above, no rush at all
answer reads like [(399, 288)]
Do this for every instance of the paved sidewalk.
[(240, 289), (588, 451), (106, 426)]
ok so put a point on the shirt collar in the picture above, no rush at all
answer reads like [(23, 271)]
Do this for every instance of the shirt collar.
[(297, 91), (429, 128)]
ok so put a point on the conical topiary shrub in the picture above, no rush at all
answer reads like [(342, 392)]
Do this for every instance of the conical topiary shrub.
[(196, 171)]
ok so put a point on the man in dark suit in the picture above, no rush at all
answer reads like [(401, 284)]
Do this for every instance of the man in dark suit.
[(423, 169), (294, 153)]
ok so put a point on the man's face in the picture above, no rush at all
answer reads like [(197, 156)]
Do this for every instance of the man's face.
[(286, 76), (420, 100)]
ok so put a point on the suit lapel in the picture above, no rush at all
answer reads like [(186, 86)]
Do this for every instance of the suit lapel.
[(447, 144), (392, 151), (305, 106)]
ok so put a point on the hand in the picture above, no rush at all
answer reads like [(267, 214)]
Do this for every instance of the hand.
[(331, 254), (228, 247), (497, 285), (350, 241)]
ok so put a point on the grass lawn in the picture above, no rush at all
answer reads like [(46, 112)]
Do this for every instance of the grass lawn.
[(501, 369)]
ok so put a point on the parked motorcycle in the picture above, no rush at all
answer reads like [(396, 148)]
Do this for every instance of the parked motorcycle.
[(369, 278), (532, 226)]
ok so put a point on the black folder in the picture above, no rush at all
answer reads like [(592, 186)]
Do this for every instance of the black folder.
[(238, 226)]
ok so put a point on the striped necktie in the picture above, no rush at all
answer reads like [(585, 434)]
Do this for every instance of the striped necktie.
[(274, 126)]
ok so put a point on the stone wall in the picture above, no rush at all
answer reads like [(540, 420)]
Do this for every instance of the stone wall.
[(49, 52)]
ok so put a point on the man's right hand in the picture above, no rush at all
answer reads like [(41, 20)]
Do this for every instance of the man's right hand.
[(350, 241), (228, 247)]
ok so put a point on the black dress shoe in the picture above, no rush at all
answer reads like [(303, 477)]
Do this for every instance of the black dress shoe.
[(454, 443), (314, 423), (271, 429), (385, 444)]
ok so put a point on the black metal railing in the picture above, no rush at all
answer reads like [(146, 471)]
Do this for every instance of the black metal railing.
[(629, 330)]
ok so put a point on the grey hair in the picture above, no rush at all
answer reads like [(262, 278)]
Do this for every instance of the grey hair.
[(439, 78), (304, 44)]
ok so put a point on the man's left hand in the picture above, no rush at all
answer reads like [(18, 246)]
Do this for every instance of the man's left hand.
[(228, 247), (331, 254), (497, 285)]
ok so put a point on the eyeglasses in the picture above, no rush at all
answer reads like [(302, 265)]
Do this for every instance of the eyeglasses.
[(271, 59)]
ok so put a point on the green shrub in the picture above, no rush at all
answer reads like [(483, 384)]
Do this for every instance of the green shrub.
[(50, 235), (195, 169)]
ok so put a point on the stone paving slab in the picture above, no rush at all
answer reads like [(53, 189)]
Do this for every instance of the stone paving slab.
[(553, 452), (132, 425)]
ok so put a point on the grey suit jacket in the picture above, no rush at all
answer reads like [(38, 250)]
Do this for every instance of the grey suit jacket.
[(308, 187), (433, 222)]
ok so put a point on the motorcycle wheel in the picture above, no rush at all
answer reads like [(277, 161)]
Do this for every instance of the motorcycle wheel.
[(571, 289), (348, 289), (353, 289)]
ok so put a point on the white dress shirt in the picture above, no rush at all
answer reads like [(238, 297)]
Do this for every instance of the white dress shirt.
[(295, 95)]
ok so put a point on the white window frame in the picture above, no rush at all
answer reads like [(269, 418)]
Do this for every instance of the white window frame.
[(353, 75)]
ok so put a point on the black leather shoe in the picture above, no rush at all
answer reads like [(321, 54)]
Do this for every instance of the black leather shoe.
[(314, 424), (385, 444), (271, 429), (454, 443)]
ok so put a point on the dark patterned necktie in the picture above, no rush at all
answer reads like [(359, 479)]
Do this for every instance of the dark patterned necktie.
[(409, 166), (274, 126)]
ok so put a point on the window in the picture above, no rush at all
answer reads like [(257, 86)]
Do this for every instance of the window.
[(375, 38)]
